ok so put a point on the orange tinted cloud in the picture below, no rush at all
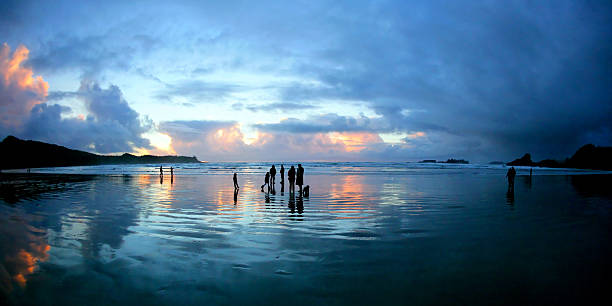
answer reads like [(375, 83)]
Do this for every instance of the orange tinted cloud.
[(219, 141), (212, 142), (416, 135), (20, 90), (355, 141)]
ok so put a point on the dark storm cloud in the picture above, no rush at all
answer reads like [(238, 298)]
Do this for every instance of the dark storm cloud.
[(111, 125), (527, 76)]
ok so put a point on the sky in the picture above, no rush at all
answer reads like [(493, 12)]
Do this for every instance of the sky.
[(309, 80)]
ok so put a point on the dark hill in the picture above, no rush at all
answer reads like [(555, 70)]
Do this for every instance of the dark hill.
[(587, 157), (18, 154)]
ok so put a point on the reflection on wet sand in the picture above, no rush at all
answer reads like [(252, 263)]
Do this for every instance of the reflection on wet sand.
[(17, 187), (348, 199), (195, 239), (22, 247), (510, 196)]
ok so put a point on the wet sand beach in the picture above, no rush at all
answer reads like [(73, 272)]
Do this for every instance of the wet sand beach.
[(428, 237)]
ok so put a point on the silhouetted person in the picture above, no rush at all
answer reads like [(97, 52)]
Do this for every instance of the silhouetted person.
[(282, 173), (300, 177), (530, 171), (272, 175), (171, 171), (510, 175), (266, 182), (291, 177), (307, 191), (236, 181), (161, 171)]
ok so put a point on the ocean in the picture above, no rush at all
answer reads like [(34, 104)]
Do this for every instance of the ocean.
[(368, 234)]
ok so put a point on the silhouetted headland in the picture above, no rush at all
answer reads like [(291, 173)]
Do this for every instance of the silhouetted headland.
[(19, 154), (587, 157)]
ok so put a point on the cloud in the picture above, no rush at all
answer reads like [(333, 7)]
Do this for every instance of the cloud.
[(224, 141), (20, 90), (480, 77), (208, 140), (197, 91), (279, 106), (324, 124), (110, 125), (111, 50)]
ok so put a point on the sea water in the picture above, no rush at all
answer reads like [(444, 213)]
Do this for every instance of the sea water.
[(368, 233)]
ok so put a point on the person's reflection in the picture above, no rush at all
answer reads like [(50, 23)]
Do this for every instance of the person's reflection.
[(235, 196), (528, 182), (292, 202), (273, 190), (282, 188), (172, 179), (300, 204), (510, 196), (267, 198), (161, 179)]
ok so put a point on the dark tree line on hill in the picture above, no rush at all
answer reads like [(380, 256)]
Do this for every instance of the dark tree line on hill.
[(587, 157), (20, 154)]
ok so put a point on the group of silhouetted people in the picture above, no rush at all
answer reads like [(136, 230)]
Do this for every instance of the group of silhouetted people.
[(161, 171), (294, 177), (161, 175), (511, 174)]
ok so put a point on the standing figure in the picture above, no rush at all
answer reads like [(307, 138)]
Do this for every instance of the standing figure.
[(291, 177), (300, 177), (510, 175), (171, 171), (282, 173), (272, 175), (266, 182), (236, 187), (161, 171)]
